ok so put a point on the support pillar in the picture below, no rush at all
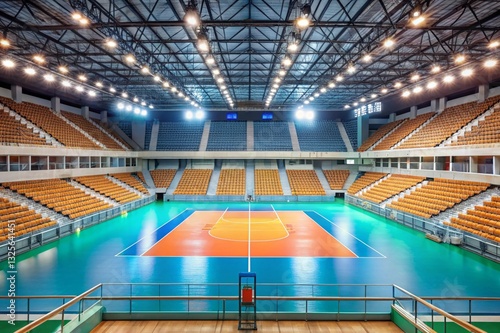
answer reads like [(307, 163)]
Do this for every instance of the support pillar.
[(434, 105), (413, 112), (392, 117), (484, 91), (17, 93), (104, 117), (85, 112), (363, 129), (55, 104), (442, 104)]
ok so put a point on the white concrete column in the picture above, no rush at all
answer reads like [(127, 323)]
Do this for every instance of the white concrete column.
[(413, 112), (392, 117), (55, 104), (85, 112), (484, 91), (442, 104), (434, 105), (363, 129), (104, 117), (17, 93)]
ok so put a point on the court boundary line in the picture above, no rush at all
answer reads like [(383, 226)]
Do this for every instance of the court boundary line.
[(240, 241), (383, 256), (128, 247), (279, 219), (209, 232)]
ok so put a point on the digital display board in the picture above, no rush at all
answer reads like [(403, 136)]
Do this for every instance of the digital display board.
[(367, 109)]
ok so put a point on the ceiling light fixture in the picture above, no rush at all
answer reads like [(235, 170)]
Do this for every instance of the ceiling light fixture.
[(191, 16), (30, 71)]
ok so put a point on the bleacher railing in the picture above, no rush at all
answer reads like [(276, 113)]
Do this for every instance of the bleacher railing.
[(27, 241), (469, 241), (275, 301)]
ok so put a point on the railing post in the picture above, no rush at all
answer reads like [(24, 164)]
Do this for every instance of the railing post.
[(28, 311), (223, 309), (62, 322), (306, 308), (432, 316), (130, 299), (470, 311), (364, 315)]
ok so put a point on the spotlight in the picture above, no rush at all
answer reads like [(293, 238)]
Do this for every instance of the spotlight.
[(143, 103), (389, 42), (367, 58), (120, 106), (79, 88), (293, 47), (362, 100), (137, 110), (490, 63), (189, 115), (124, 95), (467, 72), (4, 42), (144, 113), (417, 90), (112, 90), (180, 94), (300, 114), (323, 90), (129, 58), (306, 102), (276, 85), (49, 77), (339, 78), (145, 70), (494, 44), (398, 85), (157, 78), (136, 99), (76, 16), (82, 78), (331, 85), (406, 93), (191, 17), (415, 77), (98, 84), (39, 58), (282, 72), (384, 91), (309, 115), (151, 106), (84, 21), (435, 69), (111, 43), (316, 95), (311, 98), (216, 71), (459, 59), (302, 23), (63, 69), (373, 96), (448, 79), (355, 104), (418, 20), (210, 60), (92, 93), (199, 115), (30, 71), (203, 45), (351, 69), (432, 85), (347, 106), (128, 108), (166, 84), (66, 83), (287, 62)]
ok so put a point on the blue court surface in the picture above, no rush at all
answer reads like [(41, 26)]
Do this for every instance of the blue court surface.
[(386, 253)]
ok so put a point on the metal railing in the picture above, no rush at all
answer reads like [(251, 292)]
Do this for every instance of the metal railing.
[(297, 301)]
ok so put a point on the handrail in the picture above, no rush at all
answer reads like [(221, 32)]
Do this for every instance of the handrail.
[(458, 321), (407, 296), (56, 311)]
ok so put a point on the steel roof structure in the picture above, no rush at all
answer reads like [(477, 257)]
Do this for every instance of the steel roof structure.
[(242, 66)]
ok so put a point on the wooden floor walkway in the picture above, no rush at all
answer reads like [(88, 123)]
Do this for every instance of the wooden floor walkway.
[(232, 326)]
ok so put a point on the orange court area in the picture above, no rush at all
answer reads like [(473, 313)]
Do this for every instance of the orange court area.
[(271, 234)]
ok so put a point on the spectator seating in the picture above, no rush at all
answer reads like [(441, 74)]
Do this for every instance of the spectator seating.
[(231, 182), (95, 132), (336, 178), (108, 188), (403, 131), (483, 220), (351, 127), (131, 181), (304, 182), (267, 182), (13, 132), (60, 196), (24, 220), (321, 135), (45, 119), (437, 196), (272, 136), (390, 187), (179, 136), (163, 177), (446, 123), (379, 134), (194, 182), (365, 180), (487, 131), (126, 127), (147, 135), (226, 135), (141, 177)]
